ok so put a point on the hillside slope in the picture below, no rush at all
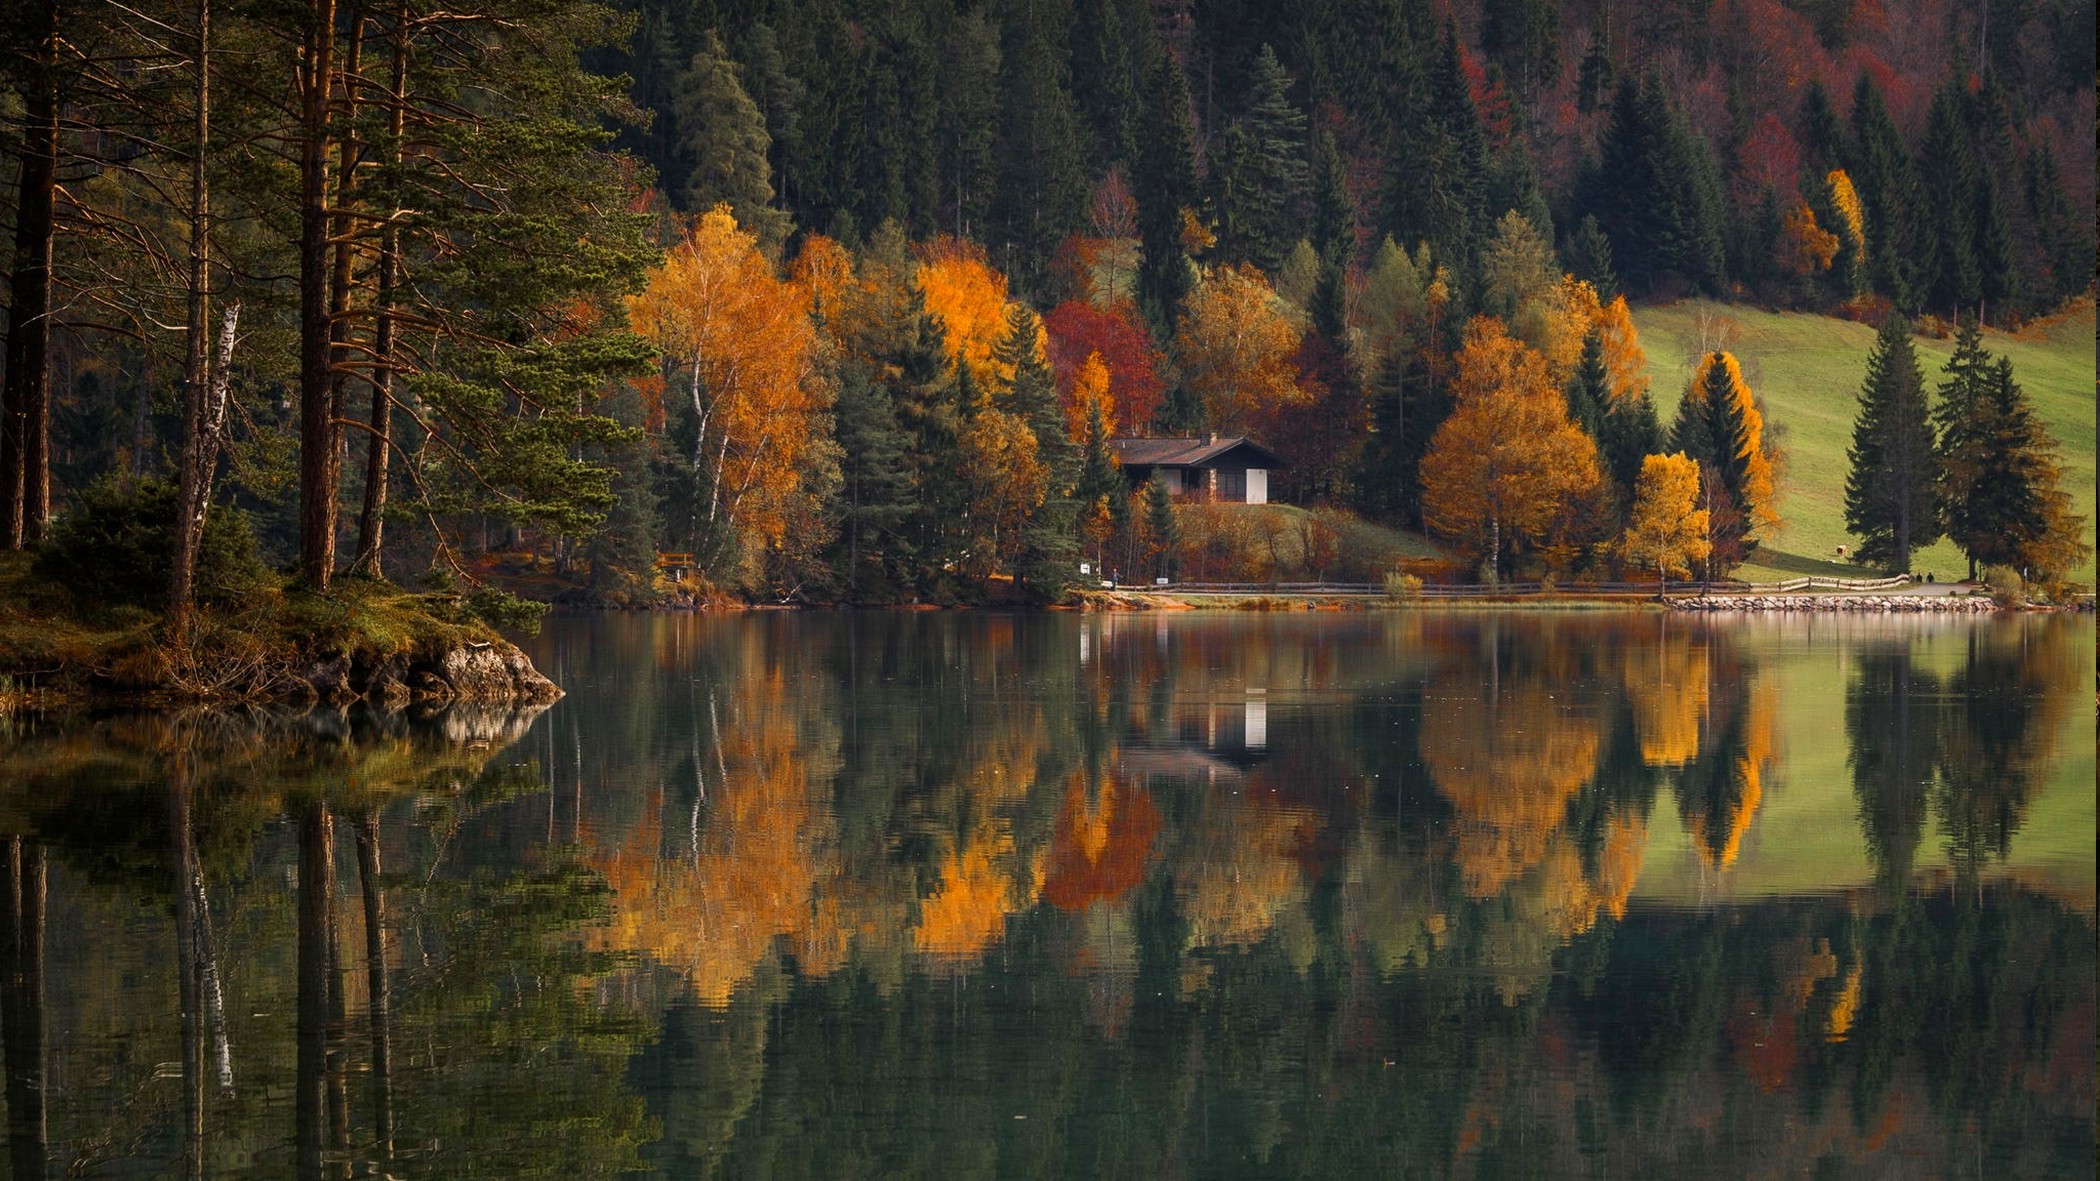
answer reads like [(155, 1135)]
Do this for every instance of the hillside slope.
[(1808, 369)]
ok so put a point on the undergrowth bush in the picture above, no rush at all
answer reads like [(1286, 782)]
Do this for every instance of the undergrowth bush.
[(116, 545)]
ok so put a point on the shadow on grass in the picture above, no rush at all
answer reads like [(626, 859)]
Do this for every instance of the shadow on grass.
[(1794, 565)]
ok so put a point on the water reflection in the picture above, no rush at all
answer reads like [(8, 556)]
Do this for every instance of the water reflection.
[(840, 895)]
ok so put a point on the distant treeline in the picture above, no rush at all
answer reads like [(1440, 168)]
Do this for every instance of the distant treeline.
[(1683, 146)]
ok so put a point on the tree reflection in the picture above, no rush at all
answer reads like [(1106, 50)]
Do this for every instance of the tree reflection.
[(2008, 700), (1893, 724)]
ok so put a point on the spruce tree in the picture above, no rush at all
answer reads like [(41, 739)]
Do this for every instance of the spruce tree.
[(1165, 185), (1998, 474), (1948, 168), (1587, 256), (723, 140), (1042, 186), (1900, 255), (968, 119), (1437, 179), (874, 488), (1589, 387), (1261, 175), (1631, 433), (1333, 209), (1164, 533), (1890, 499)]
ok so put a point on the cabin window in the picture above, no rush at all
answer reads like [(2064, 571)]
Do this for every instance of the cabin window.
[(1232, 485)]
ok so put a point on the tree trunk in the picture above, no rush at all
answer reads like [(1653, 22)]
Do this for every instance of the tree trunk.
[(25, 398), (195, 484), (371, 521), (316, 928), (368, 872), (320, 459), (203, 428), (22, 1002)]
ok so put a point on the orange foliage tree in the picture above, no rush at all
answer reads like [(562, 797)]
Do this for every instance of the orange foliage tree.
[(1074, 329), (1625, 364), (743, 340), (1806, 248), (1235, 343), (1504, 470), (968, 296)]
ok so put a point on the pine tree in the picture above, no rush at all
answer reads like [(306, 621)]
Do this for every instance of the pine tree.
[(1948, 168), (1587, 256), (1998, 476), (1163, 531), (1261, 174), (1589, 388), (1042, 185), (1890, 501), (723, 139), (874, 488), (897, 145), (1165, 185), (1631, 433)]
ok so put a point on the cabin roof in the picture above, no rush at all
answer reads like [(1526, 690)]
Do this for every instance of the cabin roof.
[(1192, 452)]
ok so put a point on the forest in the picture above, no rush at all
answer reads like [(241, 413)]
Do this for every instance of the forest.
[(846, 300)]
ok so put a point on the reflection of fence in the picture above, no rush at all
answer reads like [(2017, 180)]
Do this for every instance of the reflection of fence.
[(1519, 589)]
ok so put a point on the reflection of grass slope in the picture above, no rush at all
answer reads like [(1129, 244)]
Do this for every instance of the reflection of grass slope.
[(1806, 837), (1808, 369)]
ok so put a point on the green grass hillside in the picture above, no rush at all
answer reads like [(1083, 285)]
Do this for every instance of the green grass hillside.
[(1808, 369)]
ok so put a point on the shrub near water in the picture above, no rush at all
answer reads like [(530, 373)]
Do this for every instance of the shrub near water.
[(115, 546)]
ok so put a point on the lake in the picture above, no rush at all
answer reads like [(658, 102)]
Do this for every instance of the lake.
[(1176, 894)]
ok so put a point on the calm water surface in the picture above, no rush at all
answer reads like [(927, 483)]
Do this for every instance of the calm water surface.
[(1171, 895)]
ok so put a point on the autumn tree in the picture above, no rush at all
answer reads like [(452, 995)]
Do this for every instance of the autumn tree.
[(1890, 498), (1666, 530), (1508, 463), (1234, 344), (741, 340), (968, 296), (1075, 330)]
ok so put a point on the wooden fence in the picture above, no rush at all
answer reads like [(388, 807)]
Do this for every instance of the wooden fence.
[(1521, 589)]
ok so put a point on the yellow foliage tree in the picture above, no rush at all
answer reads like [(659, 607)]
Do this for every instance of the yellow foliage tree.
[(1008, 480), (1845, 199), (1555, 321), (1235, 342), (968, 296), (1090, 388), (744, 341), (1666, 531), (1625, 364), (824, 269), (1503, 470)]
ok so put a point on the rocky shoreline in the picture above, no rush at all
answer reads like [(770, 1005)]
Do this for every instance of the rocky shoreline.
[(1881, 604), (482, 671)]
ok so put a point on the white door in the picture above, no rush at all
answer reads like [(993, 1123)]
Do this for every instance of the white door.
[(1257, 486)]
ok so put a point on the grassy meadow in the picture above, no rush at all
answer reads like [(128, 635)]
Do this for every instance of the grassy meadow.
[(1808, 369)]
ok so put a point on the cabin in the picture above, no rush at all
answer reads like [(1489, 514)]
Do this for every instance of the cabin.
[(1210, 469)]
